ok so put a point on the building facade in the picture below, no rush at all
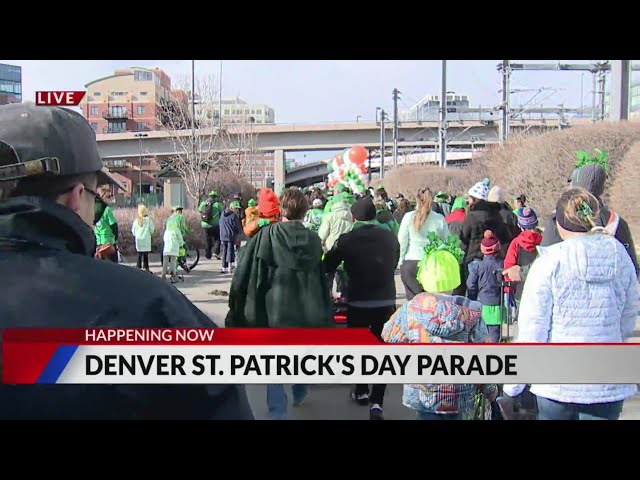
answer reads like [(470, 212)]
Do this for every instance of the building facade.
[(128, 101), (234, 110), (10, 84)]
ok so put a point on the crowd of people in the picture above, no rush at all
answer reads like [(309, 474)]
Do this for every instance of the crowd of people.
[(469, 262)]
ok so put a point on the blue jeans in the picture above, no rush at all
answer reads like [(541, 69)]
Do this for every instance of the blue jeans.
[(278, 402), (553, 410), (437, 416)]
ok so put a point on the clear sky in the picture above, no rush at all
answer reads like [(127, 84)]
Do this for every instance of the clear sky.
[(306, 91)]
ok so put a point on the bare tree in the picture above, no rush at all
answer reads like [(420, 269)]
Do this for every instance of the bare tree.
[(242, 140), (199, 143)]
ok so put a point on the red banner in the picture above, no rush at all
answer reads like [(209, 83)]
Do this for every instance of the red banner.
[(59, 98)]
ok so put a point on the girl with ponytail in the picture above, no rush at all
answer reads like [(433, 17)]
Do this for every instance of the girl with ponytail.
[(581, 290), (413, 237)]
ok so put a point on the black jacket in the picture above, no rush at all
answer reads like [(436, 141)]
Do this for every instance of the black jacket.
[(623, 234), (229, 226), (47, 251), (484, 216), (370, 255)]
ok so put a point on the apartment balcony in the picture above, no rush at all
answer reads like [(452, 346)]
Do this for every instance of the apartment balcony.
[(115, 114)]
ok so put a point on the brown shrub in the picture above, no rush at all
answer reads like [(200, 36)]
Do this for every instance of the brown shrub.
[(624, 195), (539, 166), (408, 179), (126, 217)]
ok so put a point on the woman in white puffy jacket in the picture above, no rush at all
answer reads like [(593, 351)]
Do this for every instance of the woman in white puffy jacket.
[(582, 290)]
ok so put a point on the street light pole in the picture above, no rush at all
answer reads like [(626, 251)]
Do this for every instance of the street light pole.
[(140, 136), (193, 108)]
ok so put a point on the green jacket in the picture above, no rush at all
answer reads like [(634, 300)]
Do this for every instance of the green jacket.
[(215, 219), (385, 217), (280, 281)]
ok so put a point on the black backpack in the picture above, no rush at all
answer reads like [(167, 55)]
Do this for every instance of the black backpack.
[(207, 212)]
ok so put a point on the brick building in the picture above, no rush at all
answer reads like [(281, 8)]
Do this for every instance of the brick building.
[(127, 101)]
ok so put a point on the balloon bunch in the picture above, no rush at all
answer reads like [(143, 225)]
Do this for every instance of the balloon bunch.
[(348, 169)]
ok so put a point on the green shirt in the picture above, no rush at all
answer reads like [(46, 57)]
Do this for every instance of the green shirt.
[(215, 214), (104, 234), (181, 223)]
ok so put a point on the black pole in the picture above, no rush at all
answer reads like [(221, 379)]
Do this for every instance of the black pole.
[(369, 151), (140, 170)]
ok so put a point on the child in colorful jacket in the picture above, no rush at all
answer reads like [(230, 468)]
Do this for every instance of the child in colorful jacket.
[(439, 317), (268, 210)]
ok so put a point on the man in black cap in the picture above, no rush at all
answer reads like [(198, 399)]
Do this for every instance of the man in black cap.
[(370, 254), (49, 172)]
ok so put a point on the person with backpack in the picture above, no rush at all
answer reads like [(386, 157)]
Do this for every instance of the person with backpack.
[(436, 316), (578, 291), (523, 249), (229, 231), (370, 254), (592, 176), (210, 211), (313, 218), (483, 284), (414, 237)]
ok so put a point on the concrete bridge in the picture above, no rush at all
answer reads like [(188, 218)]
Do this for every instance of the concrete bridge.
[(282, 138)]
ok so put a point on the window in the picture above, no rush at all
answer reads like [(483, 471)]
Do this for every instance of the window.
[(94, 126), (226, 112), (117, 111), (94, 110), (253, 111), (117, 127), (142, 126), (96, 94), (142, 76), (142, 94), (140, 109), (259, 111)]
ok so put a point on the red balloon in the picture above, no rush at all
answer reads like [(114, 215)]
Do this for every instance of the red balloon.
[(339, 161), (358, 155), (363, 169)]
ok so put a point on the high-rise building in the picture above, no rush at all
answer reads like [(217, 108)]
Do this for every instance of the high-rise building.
[(10, 84), (129, 100)]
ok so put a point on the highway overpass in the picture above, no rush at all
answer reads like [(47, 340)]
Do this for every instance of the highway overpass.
[(282, 138)]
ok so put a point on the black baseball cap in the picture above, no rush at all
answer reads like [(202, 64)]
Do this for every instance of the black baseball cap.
[(37, 140)]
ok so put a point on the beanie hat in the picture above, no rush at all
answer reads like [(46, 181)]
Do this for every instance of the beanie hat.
[(496, 195), (364, 210), (459, 204), (268, 203), (480, 190), (252, 202), (592, 177), (317, 203), (490, 244), (527, 218)]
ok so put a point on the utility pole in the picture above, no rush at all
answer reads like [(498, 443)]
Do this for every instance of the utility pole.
[(601, 88), (193, 107), (506, 94), (369, 152), (395, 128), (140, 136), (619, 90), (593, 97), (443, 117), (383, 114)]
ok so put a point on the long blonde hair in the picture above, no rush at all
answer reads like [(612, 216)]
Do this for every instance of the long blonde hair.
[(142, 212), (424, 200)]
